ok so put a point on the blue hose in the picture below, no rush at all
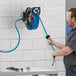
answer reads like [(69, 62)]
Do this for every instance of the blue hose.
[(46, 32), (8, 51)]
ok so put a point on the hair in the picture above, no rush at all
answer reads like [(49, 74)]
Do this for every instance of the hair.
[(73, 12)]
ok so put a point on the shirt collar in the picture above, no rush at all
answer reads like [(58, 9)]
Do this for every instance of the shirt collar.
[(73, 29)]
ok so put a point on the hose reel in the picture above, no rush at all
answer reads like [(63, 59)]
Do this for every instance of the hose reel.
[(31, 18)]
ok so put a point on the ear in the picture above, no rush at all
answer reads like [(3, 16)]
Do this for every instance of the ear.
[(73, 19)]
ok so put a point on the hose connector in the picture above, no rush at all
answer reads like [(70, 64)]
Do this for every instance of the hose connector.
[(48, 36)]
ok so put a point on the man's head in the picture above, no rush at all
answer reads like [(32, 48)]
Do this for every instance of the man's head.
[(72, 17)]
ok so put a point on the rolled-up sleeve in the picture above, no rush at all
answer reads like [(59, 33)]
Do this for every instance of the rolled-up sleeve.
[(72, 43)]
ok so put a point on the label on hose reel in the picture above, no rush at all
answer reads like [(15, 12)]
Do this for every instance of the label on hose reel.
[(30, 17)]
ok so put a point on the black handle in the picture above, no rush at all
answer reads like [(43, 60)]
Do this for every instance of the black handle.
[(12, 68), (48, 36), (53, 60)]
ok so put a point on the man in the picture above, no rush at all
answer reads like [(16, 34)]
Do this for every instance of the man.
[(69, 49)]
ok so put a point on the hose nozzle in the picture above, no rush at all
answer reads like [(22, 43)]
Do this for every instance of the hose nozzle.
[(53, 60)]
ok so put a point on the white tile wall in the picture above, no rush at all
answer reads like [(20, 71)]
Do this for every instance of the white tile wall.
[(4, 44), (40, 44), (33, 55), (3, 64), (9, 10), (22, 64), (4, 22), (43, 64), (13, 56), (33, 50), (4, 2)]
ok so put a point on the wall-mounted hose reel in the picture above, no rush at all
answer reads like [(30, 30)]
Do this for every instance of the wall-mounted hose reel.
[(31, 18)]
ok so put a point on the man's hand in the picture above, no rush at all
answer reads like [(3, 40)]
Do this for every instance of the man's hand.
[(50, 41), (56, 44), (54, 53)]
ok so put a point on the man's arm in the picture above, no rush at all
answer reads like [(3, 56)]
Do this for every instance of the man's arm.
[(63, 52), (56, 44)]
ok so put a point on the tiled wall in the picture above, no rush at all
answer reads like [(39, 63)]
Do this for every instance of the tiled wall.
[(33, 50)]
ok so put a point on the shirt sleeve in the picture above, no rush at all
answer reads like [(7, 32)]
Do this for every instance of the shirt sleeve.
[(72, 43)]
